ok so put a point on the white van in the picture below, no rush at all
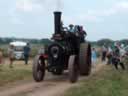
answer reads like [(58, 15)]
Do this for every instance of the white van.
[(18, 49)]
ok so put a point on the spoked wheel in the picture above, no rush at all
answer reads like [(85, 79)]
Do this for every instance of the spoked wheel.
[(73, 69), (38, 69), (85, 59)]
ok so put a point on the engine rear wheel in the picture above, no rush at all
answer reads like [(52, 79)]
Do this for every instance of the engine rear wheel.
[(38, 69), (73, 69), (85, 59)]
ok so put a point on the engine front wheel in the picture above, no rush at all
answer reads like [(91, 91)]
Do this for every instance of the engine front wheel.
[(73, 69), (38, 69)]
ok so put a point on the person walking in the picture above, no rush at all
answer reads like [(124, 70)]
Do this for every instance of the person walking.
[(116, 60), (11, 55), (104, 52), (26, 53), (109, 55), (94, 56)]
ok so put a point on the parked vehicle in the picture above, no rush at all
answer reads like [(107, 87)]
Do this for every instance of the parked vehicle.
[(18, 49)]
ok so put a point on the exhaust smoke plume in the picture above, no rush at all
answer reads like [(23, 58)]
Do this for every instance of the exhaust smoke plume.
[(51, 5), (58, 5)]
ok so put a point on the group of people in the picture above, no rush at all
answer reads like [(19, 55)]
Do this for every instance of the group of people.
[(11, 55), (114, 55), (78, 29)]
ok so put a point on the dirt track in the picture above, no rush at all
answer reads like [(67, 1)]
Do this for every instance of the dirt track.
[(52, 86)]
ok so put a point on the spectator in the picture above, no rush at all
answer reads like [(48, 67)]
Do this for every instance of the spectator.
[(109, 55), (116, 60), (26, 53), (1, 59), (11, 55), (122, 51), (94, 56), (104, 52)]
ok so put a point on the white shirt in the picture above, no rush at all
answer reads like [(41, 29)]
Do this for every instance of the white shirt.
[(122, 52)]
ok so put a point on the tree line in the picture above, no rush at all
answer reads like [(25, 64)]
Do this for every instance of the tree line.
[(32, 41), (109, 42), (106, 42)]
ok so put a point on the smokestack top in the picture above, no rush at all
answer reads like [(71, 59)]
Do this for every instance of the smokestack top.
[(57, 12)]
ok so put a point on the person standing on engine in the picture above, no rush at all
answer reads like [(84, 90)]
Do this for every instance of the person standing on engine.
[(82, 33), (71, 28), (26, 53)]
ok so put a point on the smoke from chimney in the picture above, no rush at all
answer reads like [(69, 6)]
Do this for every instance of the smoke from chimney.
[(58, 5)]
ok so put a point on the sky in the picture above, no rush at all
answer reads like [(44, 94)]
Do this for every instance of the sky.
[(35, 19)]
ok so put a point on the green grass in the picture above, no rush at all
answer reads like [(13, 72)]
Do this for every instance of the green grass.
[(108, 82), (18, 72)]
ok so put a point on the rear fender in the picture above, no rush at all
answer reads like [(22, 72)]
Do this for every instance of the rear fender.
[(43, 56)]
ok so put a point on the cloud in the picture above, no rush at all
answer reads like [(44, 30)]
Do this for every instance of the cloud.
[(19, 8), (28, 6), (13, 16), (24, 5), (118, 7), (16, 20), (91, 15), (122, 5), (38, 5), (98, 15)]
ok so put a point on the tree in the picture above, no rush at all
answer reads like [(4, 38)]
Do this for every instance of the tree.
[(124, 41), (45, 41), (106, 42)]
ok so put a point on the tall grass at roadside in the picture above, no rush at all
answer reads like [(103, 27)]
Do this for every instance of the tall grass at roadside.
[(18, 72), (108, 82)]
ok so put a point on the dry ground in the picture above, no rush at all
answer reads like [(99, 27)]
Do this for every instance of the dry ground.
[(51, 86)]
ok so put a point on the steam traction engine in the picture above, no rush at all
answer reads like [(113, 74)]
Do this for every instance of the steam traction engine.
[(67, 52)]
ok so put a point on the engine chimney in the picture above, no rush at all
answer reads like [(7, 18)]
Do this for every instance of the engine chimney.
[(57, 22)]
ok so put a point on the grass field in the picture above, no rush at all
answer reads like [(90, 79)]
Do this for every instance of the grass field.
[(18, 72), (108, 82)]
